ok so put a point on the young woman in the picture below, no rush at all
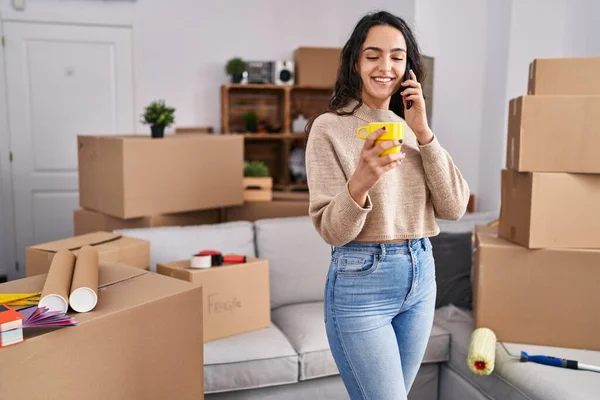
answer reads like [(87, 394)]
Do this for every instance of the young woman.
[(378, 211)]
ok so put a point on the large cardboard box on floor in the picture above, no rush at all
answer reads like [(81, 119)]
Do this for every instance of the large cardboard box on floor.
[(112, 248), (137, 176), (541, 210), (555, 76), (317, 66), (544, 297), (86, 221), (236, 296), (253, 211), (554, 134), (143, 340)]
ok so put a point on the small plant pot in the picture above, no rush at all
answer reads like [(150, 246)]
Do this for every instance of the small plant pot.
[(157, 131), (252, 128), (237, 78), (258, 189)]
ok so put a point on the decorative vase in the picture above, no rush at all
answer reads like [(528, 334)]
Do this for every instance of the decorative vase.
[(158, 131)]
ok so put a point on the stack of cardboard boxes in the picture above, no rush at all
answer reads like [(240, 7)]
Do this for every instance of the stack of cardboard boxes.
[(535, 279), (128, 182), (136, 181)]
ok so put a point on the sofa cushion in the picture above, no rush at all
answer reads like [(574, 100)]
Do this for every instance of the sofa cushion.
[(175, 243), (453, 254), (304, 326), (298, 259), (251, 360), (512, 379)]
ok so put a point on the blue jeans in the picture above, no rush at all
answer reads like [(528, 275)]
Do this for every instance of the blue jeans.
[(379, 305)]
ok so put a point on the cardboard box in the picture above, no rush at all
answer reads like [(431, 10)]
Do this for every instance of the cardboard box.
[(112, 248), (317, 66), (554, 134), (137, 176), (541, 210), (236, 296), (87, 221), (542, 297), (142, 341), (578, 76), (253, 211)]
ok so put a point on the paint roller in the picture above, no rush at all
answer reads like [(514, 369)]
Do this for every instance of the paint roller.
[(482, 355)]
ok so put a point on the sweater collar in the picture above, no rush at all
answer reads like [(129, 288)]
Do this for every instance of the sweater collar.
[(368, 114)]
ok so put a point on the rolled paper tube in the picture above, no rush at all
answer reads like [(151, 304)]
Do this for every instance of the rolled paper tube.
[(56, 289), (84, 288)]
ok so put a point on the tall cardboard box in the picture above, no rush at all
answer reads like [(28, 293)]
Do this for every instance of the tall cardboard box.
[(236, 296), (137, 176), (87, 221), (317, 66), (554, 134), (543, 297), (557, 210), (112, 248), (554, 76), (142, 341)]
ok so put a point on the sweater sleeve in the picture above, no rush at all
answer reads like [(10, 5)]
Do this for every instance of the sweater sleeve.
[(336, 216), (449, 190)]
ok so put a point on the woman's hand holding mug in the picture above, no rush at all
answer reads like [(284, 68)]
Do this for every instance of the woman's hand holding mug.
[(377, 157)]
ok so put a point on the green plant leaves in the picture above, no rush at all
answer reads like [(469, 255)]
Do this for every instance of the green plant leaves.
[(158, 113)]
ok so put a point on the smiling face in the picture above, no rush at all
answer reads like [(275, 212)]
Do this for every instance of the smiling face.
[(381, 65)]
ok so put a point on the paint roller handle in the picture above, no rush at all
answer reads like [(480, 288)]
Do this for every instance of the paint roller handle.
[(549, 360)]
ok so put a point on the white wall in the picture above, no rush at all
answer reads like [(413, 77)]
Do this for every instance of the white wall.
[(181, 46), (457, 41), (518, 32), (582, 28), (482, 51), (183, 54), (494, 104)]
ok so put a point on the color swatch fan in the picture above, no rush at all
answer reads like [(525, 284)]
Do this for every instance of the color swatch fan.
[(42, 317)]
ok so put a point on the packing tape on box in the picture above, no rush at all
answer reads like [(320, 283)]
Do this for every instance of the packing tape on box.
[(201, 262), (56, 289)]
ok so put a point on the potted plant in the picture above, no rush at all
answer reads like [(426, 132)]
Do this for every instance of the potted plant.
[(251, 120), (235, 68), (159, 116), (258, 185)]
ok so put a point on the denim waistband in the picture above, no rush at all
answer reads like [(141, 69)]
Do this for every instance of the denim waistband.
[(386, 248)]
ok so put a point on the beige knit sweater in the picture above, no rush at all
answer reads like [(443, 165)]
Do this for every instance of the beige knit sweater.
[(406, 201)]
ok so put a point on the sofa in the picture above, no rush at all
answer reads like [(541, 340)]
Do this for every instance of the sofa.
[(291, 358)]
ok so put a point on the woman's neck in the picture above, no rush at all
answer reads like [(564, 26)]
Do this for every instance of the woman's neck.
[(375, 104)]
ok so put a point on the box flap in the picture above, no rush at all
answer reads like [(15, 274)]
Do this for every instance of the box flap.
[(488, 236), (77, 242)]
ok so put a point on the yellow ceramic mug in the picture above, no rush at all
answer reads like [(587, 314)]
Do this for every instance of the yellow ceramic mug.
[(394, 131)]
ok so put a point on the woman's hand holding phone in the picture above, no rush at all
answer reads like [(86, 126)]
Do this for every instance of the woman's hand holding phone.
[(416, 115)]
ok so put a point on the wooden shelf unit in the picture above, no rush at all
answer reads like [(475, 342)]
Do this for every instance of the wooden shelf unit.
[(276, 106)]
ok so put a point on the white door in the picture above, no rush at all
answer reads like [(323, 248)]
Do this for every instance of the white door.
[(63, 80)]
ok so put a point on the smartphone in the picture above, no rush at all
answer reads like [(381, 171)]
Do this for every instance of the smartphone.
[(407, 77)]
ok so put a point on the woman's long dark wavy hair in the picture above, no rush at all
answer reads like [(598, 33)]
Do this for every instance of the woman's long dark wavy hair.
[(348, 85)]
